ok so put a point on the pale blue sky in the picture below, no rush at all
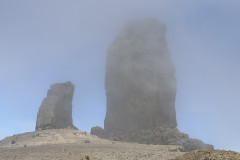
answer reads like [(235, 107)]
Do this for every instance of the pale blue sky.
[(48, 41)]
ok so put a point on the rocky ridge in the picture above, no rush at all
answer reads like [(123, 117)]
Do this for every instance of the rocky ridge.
[(157, 136), (68, 144)]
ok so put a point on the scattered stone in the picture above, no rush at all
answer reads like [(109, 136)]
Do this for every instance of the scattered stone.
[(98, 131), (85, 158), (210, 155), (55, 111), (13, 142), (86, 141), (60, 142)]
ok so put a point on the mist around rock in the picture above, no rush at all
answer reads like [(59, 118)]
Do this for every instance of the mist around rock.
[(141, 87), (140, 84)]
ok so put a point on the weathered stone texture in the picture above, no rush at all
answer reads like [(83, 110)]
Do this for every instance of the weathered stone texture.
[(140, 79), (141, 88), (55, 111)]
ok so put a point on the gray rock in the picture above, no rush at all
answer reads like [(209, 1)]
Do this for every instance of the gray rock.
[(55, 111), (140, 79), (141, 88), (160, 135), (99, 132)]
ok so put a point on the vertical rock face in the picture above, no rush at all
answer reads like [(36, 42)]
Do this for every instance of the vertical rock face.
[(55, 111), (141, 88), (140, 79)]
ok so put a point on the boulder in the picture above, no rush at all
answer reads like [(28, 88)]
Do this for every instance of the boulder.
[(55, 111)]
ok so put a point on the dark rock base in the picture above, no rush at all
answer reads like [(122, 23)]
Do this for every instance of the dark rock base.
[(157, 136)]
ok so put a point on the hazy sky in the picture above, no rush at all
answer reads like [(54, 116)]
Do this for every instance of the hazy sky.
[(49, 41)]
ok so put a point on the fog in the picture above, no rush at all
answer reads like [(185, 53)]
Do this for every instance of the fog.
[(44, 42)]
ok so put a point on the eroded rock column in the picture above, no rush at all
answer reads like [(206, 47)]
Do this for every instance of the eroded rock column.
[(55, 111), (140, 79), (141, 88)]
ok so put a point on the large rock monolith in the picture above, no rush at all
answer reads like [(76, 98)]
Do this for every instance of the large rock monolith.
[(141, 88), (55, 111), (140, 79)]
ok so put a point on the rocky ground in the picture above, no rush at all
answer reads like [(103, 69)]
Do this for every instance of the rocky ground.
[(210, 155), (157, 136), (75, 145)]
